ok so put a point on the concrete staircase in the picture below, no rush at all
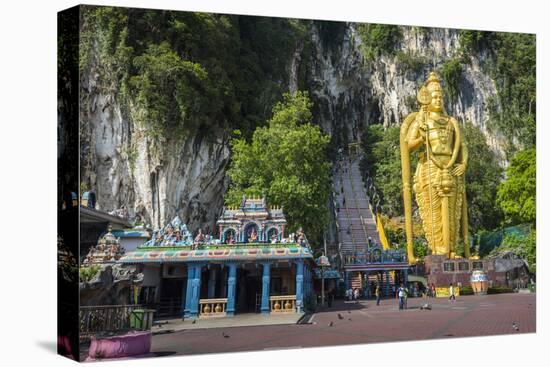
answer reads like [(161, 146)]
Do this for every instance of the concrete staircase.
[(355, 219)]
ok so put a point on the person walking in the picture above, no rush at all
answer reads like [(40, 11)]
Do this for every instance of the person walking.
[(377, 294), (355, 294), (452, 292), (401, 295)]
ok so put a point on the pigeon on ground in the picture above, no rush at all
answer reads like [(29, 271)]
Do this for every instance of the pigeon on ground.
[(340, 316), (194, 322), (330, 323), (515, 326), (225, 335), (349, 319), (349, 311), (426, 306)]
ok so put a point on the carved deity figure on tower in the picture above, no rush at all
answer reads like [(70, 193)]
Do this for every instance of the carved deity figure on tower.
[(439, 177)]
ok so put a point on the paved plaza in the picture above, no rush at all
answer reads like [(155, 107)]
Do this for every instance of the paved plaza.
[(363, 322)]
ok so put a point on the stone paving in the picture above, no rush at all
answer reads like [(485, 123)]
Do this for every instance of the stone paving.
[(247, 319), (364, 322)]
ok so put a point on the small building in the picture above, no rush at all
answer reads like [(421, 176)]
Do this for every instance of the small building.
[(249, 267), (131, 238), (506, 269), (376, 266)]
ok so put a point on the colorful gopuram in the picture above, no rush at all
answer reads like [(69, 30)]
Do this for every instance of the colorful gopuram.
[(249, 267)]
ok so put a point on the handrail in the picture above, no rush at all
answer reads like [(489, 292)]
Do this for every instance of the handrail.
[(212, 307), (278, 304)]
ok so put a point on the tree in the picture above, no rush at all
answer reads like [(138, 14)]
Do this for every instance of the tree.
[(286, 160), (517, 194), (483, 175)]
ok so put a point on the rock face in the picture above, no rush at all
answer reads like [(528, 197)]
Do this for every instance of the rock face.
[(155, 181), (111, 285), (351, 94)]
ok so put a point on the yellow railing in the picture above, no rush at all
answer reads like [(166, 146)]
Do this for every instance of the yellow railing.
[(282, 303), (213, 307)]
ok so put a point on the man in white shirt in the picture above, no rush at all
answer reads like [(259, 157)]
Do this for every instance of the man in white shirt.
[(401, 294), (452, 292)]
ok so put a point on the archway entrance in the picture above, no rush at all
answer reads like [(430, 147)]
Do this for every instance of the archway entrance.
[(249, 289)]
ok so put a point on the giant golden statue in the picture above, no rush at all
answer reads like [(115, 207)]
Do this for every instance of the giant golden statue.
[(439, 178)]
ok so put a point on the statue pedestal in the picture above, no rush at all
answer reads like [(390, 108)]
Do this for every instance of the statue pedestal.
[(442, 271)]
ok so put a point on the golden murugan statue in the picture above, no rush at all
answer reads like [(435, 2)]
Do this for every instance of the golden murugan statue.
[(439, 177)]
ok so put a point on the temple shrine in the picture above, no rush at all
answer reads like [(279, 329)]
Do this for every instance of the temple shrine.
[(108, 249), (249, 267)]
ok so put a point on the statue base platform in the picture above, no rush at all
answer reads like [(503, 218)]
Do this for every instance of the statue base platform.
[(442, 271)]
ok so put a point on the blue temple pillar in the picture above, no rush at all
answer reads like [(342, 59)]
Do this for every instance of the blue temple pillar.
[(265, 288), (193, 291), (231, 292), (308, 282), (212, 282), (346, 280), (299, 286), (406, 277), (387, 283), (186, 304)]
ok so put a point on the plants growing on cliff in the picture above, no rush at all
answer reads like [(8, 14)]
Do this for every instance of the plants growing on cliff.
[(410, 61), (169, 91), (179, 71), (483, 175), (379, 39), (451, 71), (511, 62), (286, 160)]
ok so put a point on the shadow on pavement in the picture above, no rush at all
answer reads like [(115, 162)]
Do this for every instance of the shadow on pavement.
[(342, 306)]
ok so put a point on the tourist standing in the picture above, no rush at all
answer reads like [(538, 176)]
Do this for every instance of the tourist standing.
[(401, 292), (451, 292), (377, 293), (355, 294)]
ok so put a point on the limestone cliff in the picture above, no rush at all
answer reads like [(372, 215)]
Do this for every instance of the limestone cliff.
[(351, 93), (157, 179)]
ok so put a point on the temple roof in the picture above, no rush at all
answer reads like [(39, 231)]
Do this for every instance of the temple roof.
[(252, 208), (222, 254)]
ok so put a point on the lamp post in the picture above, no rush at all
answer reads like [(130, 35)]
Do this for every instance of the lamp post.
[(323, 262)]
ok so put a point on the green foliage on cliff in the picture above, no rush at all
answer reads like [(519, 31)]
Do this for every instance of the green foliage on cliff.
[(473, 42), (181, 71), (517, 195), (169, 90), (379, 39), (483, 175), (510, 59), (451, 71), (286, 160), (515, 73)]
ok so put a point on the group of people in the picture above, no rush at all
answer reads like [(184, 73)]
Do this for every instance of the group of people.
[(401, 293), (353, 294), (431, 292)]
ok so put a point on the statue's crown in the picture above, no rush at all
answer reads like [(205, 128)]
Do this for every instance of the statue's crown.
[(433, 83)]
